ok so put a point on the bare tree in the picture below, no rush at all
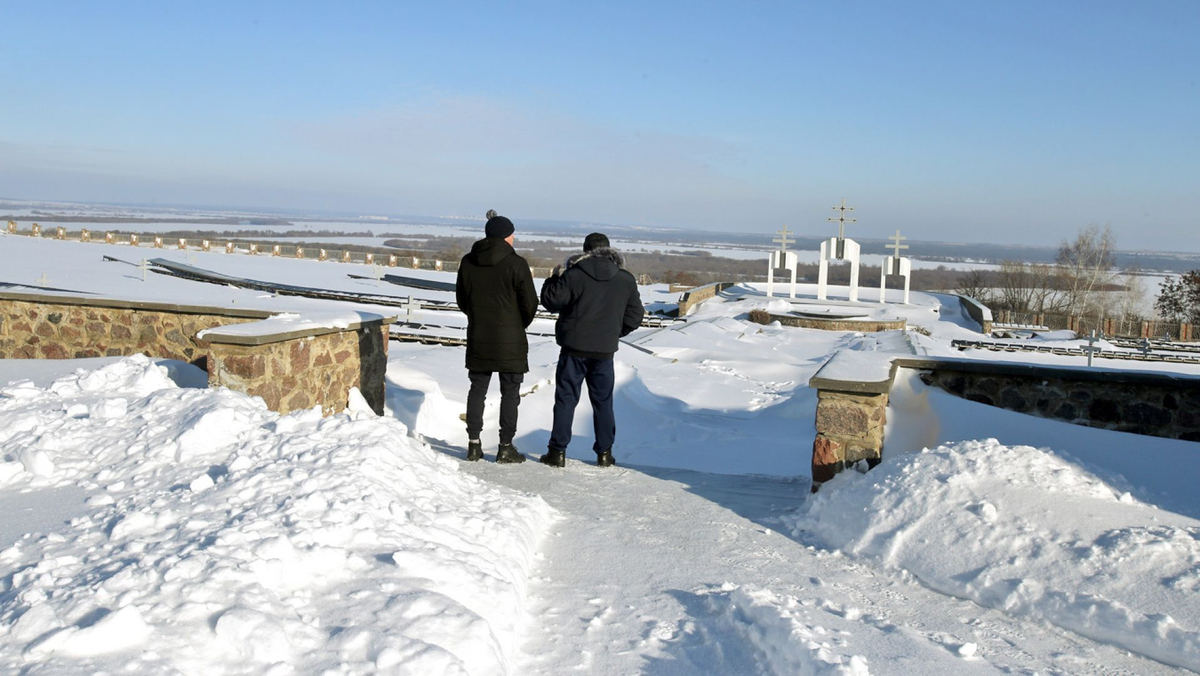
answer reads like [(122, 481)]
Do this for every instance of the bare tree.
[(975, 284), (1085, 266)]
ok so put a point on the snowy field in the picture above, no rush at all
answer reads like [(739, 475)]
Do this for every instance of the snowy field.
[(154, 526)]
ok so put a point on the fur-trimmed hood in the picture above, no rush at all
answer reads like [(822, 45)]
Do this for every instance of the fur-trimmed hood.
[(601, 263)]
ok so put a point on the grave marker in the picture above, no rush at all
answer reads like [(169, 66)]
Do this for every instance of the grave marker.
[(182, 244), (895, 265), (12, 227), (784, 259), (322, 255), (276, 251), (228, 247), (205, 245), (842, 249), (133, 240), (60, 233), (110, 238), (1091, 348), (85, 235), (253, 249), (36, 230), (345, 256), (393, 260), (43, 281), (158, 242)]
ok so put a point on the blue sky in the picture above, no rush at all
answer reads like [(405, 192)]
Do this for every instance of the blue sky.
[(958, 121)]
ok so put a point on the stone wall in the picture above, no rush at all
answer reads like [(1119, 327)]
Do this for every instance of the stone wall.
[(1160, 405), (849, 429), (290, 371), (36, 326), (298, 372), (863, 326), (693, 297)]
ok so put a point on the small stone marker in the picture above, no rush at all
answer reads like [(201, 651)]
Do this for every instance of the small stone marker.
[(345, 256), (182, 244), (299, 252), (12, 227), (36, 230), (205, 245), (276, 251), (393, 260), (322, 255), (370, 259), (158, 242), (133, 240), (85, 236), (253, 249), (228, 247), (110, 238), (437, 265), (842, 249), (416, 263), (60, 233)]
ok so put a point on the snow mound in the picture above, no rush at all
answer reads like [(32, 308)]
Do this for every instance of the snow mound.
[(1022, 530), (228, 539), (787, 645)]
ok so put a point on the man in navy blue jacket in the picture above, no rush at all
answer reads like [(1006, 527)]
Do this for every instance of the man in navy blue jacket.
[(597, 303)]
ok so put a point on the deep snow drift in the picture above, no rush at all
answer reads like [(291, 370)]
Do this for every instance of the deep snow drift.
[(221, 537)]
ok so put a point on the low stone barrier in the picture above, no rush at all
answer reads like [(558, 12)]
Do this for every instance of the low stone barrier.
[(296, 365), (979, 312), (693, 297), (291, 362), (853, 387), (840, 324), (47, 326)]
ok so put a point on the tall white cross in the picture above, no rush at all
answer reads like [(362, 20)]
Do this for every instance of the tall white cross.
[(409, 306), (783, 240), (43, 281), (841, 220), (897, 246), (144, 266)]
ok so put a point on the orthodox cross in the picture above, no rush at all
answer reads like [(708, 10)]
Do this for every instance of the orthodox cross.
[(43, 281), (144, 266), (897, 246), (783, 240), (1091, 348), (841, 220)]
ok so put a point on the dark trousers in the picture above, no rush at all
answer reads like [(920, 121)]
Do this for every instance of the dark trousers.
[(570, 376), (510, 398)]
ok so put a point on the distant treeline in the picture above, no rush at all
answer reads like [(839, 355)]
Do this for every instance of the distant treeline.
[(43, 217)]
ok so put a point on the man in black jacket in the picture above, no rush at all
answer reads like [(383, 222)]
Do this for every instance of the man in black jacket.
[(597, 303), (495, 290)]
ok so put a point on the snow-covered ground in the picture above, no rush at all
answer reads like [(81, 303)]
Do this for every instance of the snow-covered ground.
[(155, 527)]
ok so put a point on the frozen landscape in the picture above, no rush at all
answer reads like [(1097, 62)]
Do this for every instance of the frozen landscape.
[(152, 525)]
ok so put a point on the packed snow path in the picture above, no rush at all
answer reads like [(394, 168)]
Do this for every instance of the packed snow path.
[(656, 571)]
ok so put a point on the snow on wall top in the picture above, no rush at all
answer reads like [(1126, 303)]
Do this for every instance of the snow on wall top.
[(291, 324)]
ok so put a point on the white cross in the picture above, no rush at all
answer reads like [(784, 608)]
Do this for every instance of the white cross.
[(378, 274), (1091, 348), (783, 240), (43, 281), (144, 266), (409, 306), (897, 246), (841, 220)]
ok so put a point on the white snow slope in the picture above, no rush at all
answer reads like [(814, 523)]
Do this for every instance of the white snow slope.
[(225, 538)]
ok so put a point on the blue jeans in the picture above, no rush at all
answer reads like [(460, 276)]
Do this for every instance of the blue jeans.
[(570, 376)]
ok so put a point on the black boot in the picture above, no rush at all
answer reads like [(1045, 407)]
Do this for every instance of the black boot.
[(554, 458), (605, 459), (507, 454), (474, 451)]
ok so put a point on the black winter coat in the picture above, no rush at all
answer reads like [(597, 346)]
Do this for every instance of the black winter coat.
[(597, 303), (495, 290)]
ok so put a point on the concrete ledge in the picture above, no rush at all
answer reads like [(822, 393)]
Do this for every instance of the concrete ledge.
[(282, 328), (857, 372)]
